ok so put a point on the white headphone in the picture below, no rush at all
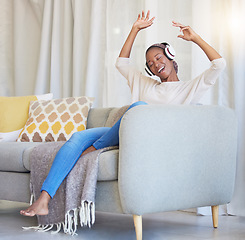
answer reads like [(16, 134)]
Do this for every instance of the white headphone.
[(168, 50)]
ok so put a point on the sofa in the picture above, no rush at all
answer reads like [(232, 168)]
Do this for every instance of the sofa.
[(170, 158)]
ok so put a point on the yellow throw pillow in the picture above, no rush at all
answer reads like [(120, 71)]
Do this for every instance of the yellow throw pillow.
[(14, 114), (56, 120)]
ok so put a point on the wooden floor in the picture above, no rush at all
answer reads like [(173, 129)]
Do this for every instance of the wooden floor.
[(170, 225)]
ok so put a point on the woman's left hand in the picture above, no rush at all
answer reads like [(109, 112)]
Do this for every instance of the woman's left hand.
[(188, 33)]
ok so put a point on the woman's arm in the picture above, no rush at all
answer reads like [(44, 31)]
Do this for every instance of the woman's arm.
[(141, 23), (190, 35)]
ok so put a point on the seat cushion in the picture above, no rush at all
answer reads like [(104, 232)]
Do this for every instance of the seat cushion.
[(15, 157), (108, 164)]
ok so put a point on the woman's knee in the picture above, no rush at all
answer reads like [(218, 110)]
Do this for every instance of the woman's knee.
[(92, 133), (138, 103), (76, 136)]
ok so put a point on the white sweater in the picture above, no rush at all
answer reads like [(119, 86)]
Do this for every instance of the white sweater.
[(146, 89)]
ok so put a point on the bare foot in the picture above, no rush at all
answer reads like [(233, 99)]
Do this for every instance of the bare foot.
[(40, 207), (89, 149)]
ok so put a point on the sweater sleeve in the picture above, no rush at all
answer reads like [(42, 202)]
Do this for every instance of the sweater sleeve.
[(202, 83), (134, 77), (210, 75), (123, 66), (127, 70)]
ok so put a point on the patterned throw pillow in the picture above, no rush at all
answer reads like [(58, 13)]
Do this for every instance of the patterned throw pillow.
[(56, 120)]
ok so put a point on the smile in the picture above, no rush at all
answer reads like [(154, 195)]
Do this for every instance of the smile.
[(161, 69)]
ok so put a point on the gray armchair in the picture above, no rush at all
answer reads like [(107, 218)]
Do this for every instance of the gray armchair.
[(176, 157)]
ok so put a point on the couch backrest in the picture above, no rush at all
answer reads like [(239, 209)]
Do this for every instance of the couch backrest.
[(97, 117), (105, 117)]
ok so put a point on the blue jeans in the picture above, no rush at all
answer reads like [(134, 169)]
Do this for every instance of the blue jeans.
[(71, 151)]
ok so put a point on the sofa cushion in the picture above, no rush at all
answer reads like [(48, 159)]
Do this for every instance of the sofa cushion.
[(15, 157), (108, 164), (115, 115), (98, 117)]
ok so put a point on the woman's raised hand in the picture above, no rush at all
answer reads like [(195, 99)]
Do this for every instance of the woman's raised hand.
[(143, 21), (188, 33)]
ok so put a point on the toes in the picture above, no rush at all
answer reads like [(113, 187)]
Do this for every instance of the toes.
[(28, 212), (22, 212), (31, 213)]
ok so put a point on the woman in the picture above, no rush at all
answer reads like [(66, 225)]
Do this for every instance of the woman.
[(159, 60), (169, 90)]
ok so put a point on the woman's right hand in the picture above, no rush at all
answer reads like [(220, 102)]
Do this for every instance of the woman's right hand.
[(143, 21)]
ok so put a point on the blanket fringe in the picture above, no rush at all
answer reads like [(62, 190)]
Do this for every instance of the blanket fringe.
[(46, 228), (58, 225), (70, 226), (31, 199), (34, 227), (85, 213)]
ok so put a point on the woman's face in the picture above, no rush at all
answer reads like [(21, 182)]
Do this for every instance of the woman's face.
[(159, 64)]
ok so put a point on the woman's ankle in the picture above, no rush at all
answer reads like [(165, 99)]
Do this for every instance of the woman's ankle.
[(45, 196), (89, 149)]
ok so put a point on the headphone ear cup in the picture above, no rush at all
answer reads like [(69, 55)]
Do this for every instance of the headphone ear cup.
[(147, 69), (169, 51), (148, 72)]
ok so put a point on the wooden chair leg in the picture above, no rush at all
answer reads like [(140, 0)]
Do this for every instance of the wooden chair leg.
[(138, 226), (215, 215)]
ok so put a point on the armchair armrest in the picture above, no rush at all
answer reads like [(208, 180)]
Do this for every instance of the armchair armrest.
[(176, 157)]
